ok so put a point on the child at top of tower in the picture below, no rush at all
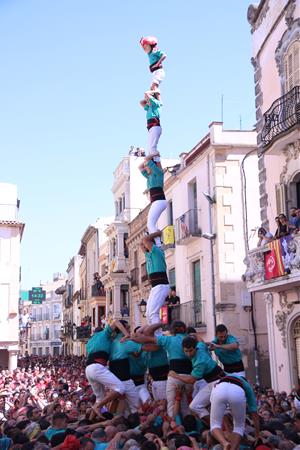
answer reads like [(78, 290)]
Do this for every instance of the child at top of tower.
[(156, 57)]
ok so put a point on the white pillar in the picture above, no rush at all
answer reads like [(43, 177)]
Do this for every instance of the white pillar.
[(12, 360), (268, 296), (117, 300)]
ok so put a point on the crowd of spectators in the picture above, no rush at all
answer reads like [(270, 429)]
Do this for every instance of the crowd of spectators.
[(284, 227), (47, 403)]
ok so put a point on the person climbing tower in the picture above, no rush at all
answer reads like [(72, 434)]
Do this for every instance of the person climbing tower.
[(152, 105)]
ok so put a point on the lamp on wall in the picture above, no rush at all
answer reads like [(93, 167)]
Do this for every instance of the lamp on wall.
[(142, 307)]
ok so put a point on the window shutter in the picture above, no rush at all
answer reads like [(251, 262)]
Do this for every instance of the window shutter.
[(292, 66), (280, 189)]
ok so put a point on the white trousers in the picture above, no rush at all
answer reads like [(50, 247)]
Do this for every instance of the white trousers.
[(153, 138), (158, 76), (101, 377), (159, 390), (143, 393), (132, 398), (228, 394), (154, 214), (155, 301), (172, 383), (198, 385), (202, 400)]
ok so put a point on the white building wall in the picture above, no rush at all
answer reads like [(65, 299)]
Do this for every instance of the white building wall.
[(10, 237)]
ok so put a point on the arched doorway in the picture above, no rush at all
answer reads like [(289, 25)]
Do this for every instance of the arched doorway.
[(294, 191)]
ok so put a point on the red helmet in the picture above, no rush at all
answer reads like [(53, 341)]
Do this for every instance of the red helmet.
[(150, 40)]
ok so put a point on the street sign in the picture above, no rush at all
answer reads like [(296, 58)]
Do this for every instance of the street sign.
[(37, 295)]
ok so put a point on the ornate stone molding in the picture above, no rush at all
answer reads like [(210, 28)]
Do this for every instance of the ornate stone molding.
[(289, 13), (291, 151), (292, 33), (268, 298), (256, 15), (282, 315), (255, 267)]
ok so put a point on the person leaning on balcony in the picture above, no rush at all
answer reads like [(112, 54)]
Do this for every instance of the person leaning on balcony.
[(284, 228), (264, 237), (157, 272), (226, 348)]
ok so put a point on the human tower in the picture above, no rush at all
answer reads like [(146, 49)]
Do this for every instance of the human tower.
[(151, 169), (180, 365)]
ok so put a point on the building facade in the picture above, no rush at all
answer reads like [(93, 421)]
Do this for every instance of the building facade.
[(47, 320), (11, 231), (275, 28)]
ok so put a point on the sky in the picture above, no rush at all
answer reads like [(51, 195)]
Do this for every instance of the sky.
[(72, 74)]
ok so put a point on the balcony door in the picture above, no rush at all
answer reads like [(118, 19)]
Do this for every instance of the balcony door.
[(196, 278)]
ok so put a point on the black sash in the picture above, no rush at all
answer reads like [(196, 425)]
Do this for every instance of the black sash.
[(234, 367), (153, 69), (97, 358), (159, 373), (214, 375), (183, 366), (154, 122), (120, 368), (156, 193), (157, 278)]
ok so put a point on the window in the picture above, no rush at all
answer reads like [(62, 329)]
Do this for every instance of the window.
[(123, 201), (196, 282), (40, 351), (56, 311), (172, 277), (47, 352), (55, 351), (125, 245), (116, 209), (292, 66), (56, 332), (170, 212), (34, 351)]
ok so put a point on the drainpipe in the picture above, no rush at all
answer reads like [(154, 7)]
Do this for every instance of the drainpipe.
[(211, 242), (246, 243)]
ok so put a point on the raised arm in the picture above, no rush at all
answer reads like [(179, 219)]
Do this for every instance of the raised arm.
[(117, 324)]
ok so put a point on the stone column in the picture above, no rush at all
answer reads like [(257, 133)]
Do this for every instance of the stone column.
[(12, 359), (268, 297), (117, 300)]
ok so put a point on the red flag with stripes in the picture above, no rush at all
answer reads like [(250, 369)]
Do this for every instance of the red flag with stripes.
[(273, 261)]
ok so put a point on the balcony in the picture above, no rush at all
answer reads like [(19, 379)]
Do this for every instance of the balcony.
[(282, 117), (189, 312), (134, 277), (97, 290), (187, 227), (263, 272), (83, 333)]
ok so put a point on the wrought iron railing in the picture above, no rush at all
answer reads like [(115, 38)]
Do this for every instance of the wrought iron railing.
[(282, 116), (189, 312), (98, 290), (187, 225), (83, 332)]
